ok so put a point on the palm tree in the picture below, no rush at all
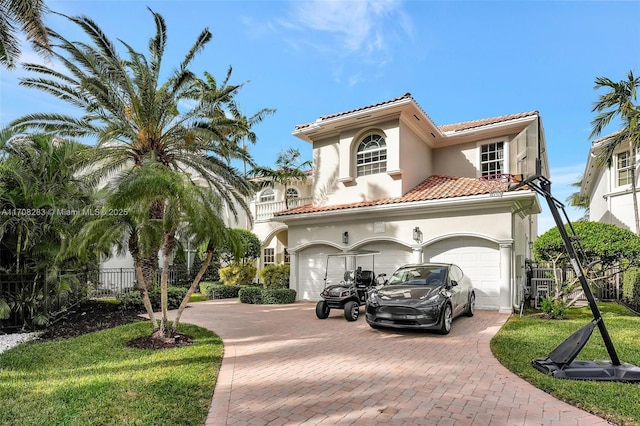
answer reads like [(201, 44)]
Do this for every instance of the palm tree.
[(38, 184), (287, 170), (619, 101), (187, 209), (578, 200), (185, 123), (27, 14)]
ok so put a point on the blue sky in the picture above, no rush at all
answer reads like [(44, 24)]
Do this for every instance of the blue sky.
[(460, 61)]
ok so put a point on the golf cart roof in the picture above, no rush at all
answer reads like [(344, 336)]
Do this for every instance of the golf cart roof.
[(354, 253)]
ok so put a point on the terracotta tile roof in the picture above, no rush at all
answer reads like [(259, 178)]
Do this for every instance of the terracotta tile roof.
[(455, 127), (433, 188), (465, 125), (326, 117)]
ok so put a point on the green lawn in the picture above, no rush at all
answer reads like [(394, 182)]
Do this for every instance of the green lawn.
[(524, 338), (96, 379)]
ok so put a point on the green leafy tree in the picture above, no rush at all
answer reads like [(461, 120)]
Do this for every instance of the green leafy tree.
[(619, 101), (288, 170), (185, 123), (25, 15), (247, 252), (604, 246)]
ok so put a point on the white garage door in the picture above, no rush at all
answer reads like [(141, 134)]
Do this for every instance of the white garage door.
[(311, 270), (391, 257), (480, 261)]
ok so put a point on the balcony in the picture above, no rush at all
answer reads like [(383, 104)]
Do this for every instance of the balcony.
[(265, 211)]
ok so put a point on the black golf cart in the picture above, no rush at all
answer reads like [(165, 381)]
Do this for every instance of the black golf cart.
[(347, 280)]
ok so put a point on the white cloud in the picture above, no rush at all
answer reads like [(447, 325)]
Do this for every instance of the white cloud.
[(349, 34)]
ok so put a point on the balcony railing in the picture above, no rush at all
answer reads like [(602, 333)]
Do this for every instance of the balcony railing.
[(265, 211)]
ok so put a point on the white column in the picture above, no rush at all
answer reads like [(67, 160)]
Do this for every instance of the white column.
[(505, 278), (417, 254), (293, 273)]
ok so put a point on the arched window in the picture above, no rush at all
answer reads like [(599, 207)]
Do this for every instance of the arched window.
[(267, 196), (372, 155), (292, 193)]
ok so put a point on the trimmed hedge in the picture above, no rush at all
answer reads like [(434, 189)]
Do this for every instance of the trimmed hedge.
[(205, 287), (132, 301), (251, 295), (272, 296), (267, 296), (219, 291), (237, 274)]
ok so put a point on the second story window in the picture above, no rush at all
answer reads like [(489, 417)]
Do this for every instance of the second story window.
[(372, 155), (492, 159), (292, 193), (623, 169), (267, 196)]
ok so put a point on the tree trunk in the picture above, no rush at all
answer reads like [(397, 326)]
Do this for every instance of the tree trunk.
[(167, 249), (142, 285), (191, 290)]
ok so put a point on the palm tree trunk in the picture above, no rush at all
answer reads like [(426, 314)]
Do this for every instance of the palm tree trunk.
[(142, 285), (167, 249), (191, 290)]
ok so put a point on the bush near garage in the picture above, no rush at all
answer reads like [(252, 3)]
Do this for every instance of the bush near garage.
[(278, 296), (251, 295), (267, 296), (220, 291), (132, 301), (275, 276)]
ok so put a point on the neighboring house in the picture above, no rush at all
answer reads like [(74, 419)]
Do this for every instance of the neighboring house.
[(609, 188), (386, 178)]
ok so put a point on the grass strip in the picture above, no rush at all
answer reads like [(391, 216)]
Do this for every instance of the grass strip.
[(524, 338), (96, 379)]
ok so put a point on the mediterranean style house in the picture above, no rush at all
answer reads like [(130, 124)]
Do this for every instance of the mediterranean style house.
[(386, 178), (609, 188)]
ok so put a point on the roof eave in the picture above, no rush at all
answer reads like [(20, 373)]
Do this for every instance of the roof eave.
[(430, 206)]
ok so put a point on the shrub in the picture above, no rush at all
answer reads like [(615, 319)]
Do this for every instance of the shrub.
[(631, 285), (555, 309), (251, 295), (219, 291), (237, 274), (132, 301), (278, 295), (275, 276), (205, 286)]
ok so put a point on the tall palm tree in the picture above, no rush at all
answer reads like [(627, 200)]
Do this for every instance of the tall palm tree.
[(185, 123), (186, 208), (619, 101), (287, 171), (27, 15)]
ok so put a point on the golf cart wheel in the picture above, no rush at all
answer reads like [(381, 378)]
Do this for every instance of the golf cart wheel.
[(351, 311), (447, 319), (322, 309), (471, 308)]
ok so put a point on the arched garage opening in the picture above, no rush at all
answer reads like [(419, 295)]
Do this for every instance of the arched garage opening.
[(479, 259), (311, 267)]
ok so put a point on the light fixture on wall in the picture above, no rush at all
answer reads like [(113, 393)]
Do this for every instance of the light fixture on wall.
[(345, 237), (417, 235)]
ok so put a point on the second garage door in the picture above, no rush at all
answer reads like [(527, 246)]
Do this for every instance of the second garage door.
[(478, 258)]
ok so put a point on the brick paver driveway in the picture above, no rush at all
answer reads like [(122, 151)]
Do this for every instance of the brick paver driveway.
[(282, 365)]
